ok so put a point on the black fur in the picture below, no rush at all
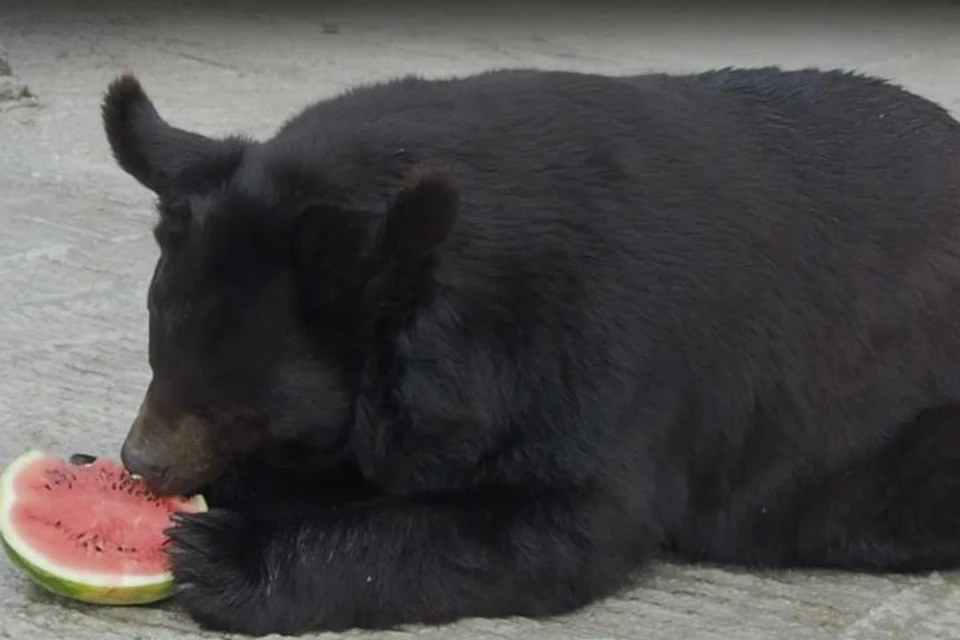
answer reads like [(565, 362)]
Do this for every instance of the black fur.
[(715, 314)]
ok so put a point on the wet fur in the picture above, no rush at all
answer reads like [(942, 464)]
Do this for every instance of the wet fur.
[(577, 321)]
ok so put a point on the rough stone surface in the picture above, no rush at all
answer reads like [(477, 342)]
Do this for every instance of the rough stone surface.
[(4, 62), (76, 251), (13, 93)]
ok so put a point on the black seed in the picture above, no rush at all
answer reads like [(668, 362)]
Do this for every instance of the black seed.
[(81, 459), (48, 487)]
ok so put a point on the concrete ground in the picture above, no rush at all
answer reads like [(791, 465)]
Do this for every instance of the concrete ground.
[(76, 251)]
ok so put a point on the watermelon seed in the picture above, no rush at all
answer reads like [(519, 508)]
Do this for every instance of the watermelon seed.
[(48, 487), (81, 459)]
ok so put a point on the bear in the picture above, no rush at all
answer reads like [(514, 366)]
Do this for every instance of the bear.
[(487, 345)]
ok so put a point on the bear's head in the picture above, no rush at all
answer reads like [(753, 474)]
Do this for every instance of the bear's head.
[(266, 295)]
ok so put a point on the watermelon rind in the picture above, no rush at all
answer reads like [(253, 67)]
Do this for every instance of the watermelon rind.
[(93, 588)]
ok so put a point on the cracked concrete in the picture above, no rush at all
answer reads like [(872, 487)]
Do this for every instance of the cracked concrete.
[(76, 251)]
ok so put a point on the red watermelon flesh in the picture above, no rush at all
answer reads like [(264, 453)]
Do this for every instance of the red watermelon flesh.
[(92, 525)]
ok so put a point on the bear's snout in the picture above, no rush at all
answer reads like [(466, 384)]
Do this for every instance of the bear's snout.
[(172, 451), (137, 460)]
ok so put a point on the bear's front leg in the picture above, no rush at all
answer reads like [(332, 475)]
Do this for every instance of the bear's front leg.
[(387, 562), (219, 576)]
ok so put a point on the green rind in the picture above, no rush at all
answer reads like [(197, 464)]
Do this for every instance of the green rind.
[(145, 594)]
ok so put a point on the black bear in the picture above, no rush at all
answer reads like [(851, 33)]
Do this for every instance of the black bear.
[(482, 346)]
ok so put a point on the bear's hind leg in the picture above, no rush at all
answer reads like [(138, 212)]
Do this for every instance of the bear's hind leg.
[(897, 510)]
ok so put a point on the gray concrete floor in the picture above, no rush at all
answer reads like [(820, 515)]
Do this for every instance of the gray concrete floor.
[(76, 251)]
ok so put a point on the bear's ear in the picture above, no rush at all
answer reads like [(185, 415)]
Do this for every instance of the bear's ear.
[(419, 218), (144, 145)]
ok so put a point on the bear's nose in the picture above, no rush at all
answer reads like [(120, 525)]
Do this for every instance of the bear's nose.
[(139, 463)]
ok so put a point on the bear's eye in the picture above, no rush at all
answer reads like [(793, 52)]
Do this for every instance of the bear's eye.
[(172, 226)]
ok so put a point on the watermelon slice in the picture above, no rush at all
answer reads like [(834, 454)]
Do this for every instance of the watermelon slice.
[(88, 530)]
